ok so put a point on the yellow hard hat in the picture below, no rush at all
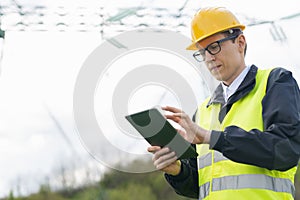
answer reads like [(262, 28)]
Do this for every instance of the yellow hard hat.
[(211, 20)]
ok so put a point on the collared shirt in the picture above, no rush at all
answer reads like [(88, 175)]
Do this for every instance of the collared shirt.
[(229, 90)]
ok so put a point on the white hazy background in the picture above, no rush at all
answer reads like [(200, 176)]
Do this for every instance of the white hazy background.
[(38, 138)]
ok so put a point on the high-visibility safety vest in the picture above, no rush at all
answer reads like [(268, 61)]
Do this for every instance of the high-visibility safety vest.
[(223, 179)]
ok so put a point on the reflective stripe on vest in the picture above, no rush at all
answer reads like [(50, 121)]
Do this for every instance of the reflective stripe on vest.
[(207, 159), (255, 181), (221, 178), (204, 190)]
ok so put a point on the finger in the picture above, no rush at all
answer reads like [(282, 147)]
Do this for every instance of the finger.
[(164, 158), (173, 118), (185, 121), (153, 149), (161, 152), (185, 135), (179, 115), (166, 163), (180, 118), (181, 132), (172, 109)]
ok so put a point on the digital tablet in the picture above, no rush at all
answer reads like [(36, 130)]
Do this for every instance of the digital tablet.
[(156, 129)]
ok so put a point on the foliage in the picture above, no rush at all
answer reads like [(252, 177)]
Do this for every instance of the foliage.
[(152, 185), (116, 185), (131, 191), (11, 196)]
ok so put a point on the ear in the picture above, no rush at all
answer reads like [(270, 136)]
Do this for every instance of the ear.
[(241, 41)]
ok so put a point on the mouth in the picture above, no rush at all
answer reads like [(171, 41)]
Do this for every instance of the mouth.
[(215, 68)]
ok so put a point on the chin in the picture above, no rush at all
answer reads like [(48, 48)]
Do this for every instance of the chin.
[(219, 78)]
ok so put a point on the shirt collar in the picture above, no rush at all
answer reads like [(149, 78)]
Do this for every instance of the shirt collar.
[(245, 87), (229, 90)]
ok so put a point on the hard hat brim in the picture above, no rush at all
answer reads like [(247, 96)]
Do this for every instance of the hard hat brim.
[(193, 45)]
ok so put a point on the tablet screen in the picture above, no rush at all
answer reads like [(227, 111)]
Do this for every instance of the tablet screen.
[(156, 129)]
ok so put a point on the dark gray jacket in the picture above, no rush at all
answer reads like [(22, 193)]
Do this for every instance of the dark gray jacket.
[(277, 147)]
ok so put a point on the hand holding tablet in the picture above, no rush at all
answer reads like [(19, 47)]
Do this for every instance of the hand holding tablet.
[(156, 129)]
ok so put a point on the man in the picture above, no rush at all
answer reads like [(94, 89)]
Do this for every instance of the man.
[(247, 134)]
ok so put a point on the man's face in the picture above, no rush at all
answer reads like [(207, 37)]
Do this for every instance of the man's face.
[(226, 65)]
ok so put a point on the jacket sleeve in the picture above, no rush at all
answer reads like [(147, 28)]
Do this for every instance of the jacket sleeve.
[(186, 182), (278, 145)]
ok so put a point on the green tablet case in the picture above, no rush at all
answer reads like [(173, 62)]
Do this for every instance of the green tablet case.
[(156, 129)]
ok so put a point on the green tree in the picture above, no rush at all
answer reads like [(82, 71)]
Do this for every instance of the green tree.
[(131, 191), (153, 182), (11, 196)]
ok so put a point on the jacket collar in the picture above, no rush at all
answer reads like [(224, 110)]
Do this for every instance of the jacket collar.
[(246, 86)]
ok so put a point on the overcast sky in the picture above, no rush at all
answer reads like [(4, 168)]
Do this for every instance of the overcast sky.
[(39, 69)]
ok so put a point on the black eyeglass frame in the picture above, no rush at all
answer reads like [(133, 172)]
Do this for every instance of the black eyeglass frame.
[(200, 54)]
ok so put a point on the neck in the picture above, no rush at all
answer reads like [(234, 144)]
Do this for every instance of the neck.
[(235, 75)]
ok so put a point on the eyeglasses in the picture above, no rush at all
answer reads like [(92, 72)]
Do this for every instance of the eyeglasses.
[(212, 48)]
